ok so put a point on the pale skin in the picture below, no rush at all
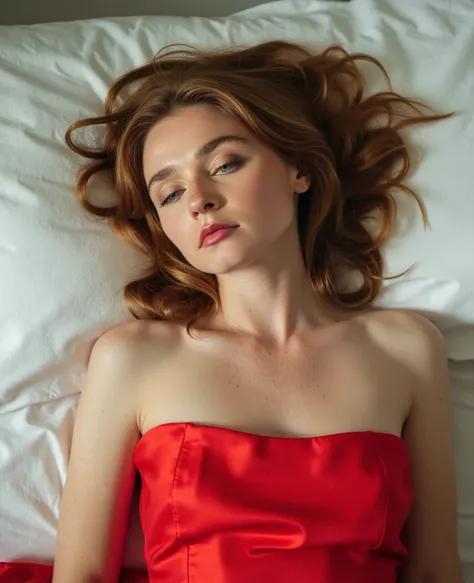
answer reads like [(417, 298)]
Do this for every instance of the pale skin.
[(269, 363)]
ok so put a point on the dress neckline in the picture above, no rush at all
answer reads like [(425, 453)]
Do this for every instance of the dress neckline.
[(245, 434)]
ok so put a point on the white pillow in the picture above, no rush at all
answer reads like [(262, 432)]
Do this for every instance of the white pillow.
[(62, 273)]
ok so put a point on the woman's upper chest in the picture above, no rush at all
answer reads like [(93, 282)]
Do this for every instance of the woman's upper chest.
[(338, 379)]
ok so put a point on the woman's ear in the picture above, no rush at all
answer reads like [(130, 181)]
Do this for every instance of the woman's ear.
[(302, 181)]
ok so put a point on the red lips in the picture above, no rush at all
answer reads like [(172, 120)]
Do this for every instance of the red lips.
[(208, 229)]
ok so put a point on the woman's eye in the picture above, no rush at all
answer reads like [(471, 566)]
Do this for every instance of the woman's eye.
[(227, 164), (164, 200), (233, 163)]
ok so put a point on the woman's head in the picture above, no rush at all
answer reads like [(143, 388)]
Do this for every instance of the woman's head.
[(203, 166), (315, 156)]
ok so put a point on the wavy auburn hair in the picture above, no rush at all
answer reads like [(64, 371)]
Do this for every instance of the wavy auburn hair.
[(310, 109)]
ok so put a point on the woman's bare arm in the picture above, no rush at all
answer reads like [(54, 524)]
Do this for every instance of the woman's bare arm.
[(431, 530), (97, 495)]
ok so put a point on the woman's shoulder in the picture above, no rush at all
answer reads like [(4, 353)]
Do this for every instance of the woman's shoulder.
[(402, 327), (411, 339), (133, 333), (140, 344)]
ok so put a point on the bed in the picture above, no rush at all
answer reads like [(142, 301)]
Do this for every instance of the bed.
[(62, 273)]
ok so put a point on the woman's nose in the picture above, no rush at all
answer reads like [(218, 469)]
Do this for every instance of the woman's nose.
[(201, 194)]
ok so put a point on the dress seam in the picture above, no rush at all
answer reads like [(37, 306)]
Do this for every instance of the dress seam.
[(384, 468), (175, 474)]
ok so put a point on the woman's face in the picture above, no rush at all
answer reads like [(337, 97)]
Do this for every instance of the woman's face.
[(235, 179)]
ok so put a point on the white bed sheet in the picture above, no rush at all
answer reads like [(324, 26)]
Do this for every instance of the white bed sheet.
[(62, 274)]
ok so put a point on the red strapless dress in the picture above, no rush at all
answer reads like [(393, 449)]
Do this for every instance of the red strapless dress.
[(223, 506)]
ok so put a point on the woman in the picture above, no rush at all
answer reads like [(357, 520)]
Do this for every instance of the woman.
[(284, 429)]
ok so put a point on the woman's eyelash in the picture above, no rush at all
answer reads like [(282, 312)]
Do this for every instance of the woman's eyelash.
[(236, 163)]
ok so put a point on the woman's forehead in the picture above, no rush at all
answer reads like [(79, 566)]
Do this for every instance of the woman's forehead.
[(187, 132)]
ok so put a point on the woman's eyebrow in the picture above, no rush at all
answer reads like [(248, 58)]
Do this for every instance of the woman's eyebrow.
[(207, 148)]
